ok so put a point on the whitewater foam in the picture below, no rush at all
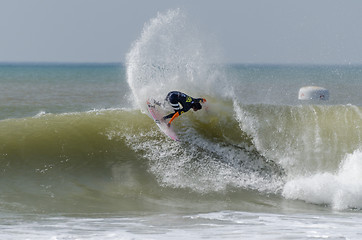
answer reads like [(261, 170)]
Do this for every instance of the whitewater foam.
[(341, 190), (171, 54)]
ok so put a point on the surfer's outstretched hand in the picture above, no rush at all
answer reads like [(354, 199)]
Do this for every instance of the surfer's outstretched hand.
[(168, 124)]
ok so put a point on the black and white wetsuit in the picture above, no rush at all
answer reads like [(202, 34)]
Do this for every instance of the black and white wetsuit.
[(180, 103)]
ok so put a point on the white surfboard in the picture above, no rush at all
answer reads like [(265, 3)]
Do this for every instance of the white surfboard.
[(157, 114)]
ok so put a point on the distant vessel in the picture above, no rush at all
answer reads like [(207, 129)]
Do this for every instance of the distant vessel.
[(313, 92)]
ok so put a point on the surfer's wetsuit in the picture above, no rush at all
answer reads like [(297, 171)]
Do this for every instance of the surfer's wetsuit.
[(176, 99)]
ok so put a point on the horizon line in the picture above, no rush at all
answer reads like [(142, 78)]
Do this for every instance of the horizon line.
[(123, 63)]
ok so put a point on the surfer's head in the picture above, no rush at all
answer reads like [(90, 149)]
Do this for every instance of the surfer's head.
[(196, 106)]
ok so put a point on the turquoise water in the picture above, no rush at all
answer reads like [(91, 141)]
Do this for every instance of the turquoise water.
[(27, 89)]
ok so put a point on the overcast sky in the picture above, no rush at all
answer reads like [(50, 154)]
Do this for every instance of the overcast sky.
[(250, 31)]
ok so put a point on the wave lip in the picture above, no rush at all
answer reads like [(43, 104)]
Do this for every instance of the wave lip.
[(311, 143)]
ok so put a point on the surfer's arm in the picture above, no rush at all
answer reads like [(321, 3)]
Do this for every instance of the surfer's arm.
[(199, 100)]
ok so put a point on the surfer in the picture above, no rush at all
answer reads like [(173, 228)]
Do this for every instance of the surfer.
[(181, 103)]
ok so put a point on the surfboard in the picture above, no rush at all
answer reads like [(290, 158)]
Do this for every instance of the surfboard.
[(157, 114)]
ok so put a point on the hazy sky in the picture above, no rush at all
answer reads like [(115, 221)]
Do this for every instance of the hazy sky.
[(250, 31)]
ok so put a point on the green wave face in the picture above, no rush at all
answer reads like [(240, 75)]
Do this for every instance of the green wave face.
[(118, 159)]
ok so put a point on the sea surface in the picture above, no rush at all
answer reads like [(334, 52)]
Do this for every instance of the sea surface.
[(80, 158)]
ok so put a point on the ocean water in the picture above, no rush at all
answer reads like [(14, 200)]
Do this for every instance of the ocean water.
[(81, 159)]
